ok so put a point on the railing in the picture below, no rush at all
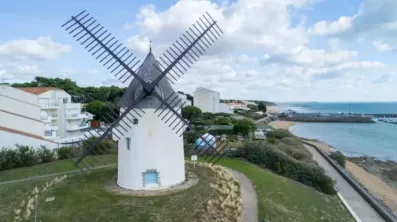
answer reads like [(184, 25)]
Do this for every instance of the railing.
[(49, 105), (77, 127), (77, 116)]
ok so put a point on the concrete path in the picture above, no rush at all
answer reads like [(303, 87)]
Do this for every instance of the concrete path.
[(358, 204), (52, 175), (250, 203)]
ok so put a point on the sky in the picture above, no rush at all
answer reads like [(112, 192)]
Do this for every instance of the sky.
[(285, 50)]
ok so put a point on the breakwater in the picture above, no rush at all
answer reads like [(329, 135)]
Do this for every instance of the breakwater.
[(321, 118)]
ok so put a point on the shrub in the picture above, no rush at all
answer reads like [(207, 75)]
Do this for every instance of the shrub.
[(65, 153), (267, 155), (279, 134), (45, 154), (27, 156), (339, 158), (392, 174)]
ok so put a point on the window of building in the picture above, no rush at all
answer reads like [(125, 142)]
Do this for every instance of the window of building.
[(128, 141), (151, 177)]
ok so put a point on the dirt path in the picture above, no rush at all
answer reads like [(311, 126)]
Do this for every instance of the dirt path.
[(250, 203)]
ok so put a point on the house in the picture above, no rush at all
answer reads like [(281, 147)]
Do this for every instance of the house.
[(225, 108), (184, 100), (20, 119), (207, 100), (61, 117)]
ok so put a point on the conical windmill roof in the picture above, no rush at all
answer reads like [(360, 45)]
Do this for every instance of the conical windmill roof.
[(148, 72)]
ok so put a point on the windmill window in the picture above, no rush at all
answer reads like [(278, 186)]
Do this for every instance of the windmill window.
[(151, 177), (128, 143)]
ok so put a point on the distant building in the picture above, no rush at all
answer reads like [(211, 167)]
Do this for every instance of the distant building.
[(61, 117), (20, 120), (207, 100), (225, 108), (184, 100)]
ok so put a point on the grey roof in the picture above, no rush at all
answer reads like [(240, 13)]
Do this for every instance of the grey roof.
[(148, 72)]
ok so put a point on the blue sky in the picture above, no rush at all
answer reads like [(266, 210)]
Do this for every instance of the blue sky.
[(287, 50)]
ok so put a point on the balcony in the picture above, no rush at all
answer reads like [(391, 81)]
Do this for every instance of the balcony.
[(77, 116), (49, 105), (77, 127), (46, 119)]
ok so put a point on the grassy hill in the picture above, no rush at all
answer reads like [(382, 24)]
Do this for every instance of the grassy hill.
[(279, 198)]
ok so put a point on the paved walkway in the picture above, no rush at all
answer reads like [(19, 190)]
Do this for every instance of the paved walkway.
[(359, 205), (250, 203), (52, 175)]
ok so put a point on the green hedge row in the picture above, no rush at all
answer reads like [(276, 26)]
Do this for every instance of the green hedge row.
[(24, 156), (269, 156)]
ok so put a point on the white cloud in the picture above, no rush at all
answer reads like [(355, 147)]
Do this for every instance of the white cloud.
[(339, 26), (92, 71), (41, 48), (381, 47), (139, 44), (251, 73)]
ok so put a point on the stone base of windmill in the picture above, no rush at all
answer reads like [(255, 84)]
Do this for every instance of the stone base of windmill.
[(190, 181)]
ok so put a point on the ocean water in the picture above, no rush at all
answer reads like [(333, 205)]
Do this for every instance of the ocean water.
[(378, 139), (355, 107)]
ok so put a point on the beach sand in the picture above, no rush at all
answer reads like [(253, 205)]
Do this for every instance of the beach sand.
[(372, 183), (281, 124)]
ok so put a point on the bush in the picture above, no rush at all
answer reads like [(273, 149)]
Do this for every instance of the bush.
[(45, 154), (267, 155), (279, 134), (339, 158), (65, 153), (392, 174)]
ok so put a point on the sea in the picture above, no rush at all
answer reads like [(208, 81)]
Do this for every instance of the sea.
[(353, 139)]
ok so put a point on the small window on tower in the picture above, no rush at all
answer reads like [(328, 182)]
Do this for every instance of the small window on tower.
[(128, 141)]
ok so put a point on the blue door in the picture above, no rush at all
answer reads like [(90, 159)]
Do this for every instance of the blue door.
[(151, 177)]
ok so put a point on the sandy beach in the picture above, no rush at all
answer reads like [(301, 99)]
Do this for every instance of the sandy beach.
[(281, 124), (375, 185)]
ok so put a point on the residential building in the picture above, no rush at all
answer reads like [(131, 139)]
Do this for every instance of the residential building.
[(62, 118), (184, 100), (207, 100), (20, 120), (225, 108)]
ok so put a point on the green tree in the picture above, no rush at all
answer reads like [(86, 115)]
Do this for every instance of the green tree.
[(191, 112), (244, 127), (262, 107), (95, 108), (253, 108)]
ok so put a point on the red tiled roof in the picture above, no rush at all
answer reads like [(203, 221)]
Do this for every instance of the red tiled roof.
[(37, 90), (23, 133)]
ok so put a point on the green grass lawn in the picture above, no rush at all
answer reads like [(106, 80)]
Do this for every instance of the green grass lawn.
[(83, 198), (279, 198), (48, 168), (282, 199)]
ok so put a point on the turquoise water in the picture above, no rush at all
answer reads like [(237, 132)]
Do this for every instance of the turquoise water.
[(378, 139)]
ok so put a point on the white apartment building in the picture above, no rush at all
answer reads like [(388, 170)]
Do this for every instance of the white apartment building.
[(207, 100), (62, 118), (184, 100), (20, 121)]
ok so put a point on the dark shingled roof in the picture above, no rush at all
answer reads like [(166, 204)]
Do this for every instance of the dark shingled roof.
[(148, 73)]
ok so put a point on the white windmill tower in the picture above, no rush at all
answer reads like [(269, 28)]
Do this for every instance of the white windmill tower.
[(150, 150), (150, 154)]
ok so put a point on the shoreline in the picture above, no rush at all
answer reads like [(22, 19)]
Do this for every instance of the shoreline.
[(371, 182)]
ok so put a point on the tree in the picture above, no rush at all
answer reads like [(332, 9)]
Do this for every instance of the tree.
[(191, 112), (262, 107), (95, 108), (252, 107), (244, 127)]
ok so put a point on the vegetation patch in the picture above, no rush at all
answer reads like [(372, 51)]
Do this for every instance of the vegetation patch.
[(286, 156), (282, 199)]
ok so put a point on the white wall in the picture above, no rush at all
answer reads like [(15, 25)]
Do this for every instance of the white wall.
[(206, 100), (153, 146), (19, 102), (21, 124), (8, 140), (53, 96), (225, 108)]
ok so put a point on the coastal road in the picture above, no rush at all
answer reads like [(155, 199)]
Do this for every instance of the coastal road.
[(359, 205)]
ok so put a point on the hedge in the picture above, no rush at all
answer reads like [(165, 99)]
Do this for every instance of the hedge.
[(24, 156), (267, 155), (339, 158)]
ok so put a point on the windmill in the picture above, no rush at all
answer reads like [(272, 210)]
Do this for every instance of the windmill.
[(148, 101)]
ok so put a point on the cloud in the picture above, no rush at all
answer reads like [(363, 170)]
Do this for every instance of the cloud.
[(383, 79), (139, 44), (380, 46), (251, 73), (42, 48), (92, 71)]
